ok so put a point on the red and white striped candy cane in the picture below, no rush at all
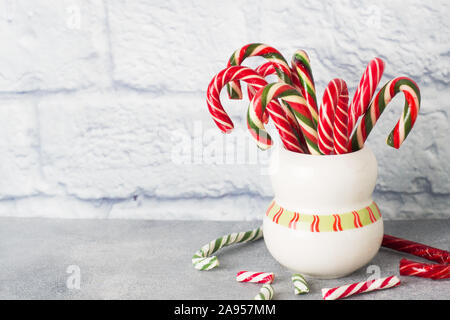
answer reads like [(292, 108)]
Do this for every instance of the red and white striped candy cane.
[(295, 100), (225, 124), (282, 115), (288, 136), (255, 277), (424, 270), (340, 124), (262, 50), (264, 70), (359, 287), (365, 91), (332, 126), (215, 107)]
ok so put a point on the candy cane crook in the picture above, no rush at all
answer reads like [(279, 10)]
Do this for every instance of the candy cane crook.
[(215, 107), (376, 108), (262, 50)]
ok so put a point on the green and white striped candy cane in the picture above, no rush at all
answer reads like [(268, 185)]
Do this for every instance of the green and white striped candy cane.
[(265, 293), (202, 259), (300, 284)]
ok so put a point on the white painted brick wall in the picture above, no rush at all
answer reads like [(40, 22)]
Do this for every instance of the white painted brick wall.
[(95, 97)]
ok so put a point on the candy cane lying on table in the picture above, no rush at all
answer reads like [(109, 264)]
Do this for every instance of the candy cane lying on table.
[(262, 50), (378, 105), (300, 284), (332, 127), (424, 270), (265, 293), (359, 287), (417, 249), (255, 277), (202, 259), (296, 101), (364, 92)]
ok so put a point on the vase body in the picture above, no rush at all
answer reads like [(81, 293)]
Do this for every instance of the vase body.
[(323, 221)]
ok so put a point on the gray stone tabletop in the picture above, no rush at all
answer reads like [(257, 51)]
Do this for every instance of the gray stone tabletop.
[(145, 259)]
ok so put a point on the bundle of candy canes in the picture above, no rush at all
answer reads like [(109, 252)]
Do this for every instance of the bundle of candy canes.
[(339, 126)]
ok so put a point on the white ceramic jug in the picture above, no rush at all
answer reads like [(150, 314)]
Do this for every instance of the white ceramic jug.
[(323, 222)]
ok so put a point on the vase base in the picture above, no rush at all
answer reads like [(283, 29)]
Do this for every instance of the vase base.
[(323, 255)]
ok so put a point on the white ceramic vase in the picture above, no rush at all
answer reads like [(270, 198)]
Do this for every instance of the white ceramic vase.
[(323, 222)]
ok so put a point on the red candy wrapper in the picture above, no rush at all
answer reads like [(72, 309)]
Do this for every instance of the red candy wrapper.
[(417, 249), (424, 270)]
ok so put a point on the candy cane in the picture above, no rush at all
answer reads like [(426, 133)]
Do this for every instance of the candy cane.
[(255, 277), (262, 50), (302, 66), (382, 99), (300, 284), (263, 70), (215, 107), (282, 115), (340, 123), (359, 287), (295, 80), (265, 293), (295, 100), (365, 91), (332, 127), (202, 259), (224, 123), (417, 249), (278, 115), (424, 270)]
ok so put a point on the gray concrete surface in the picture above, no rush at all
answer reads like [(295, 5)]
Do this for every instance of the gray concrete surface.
[(131, 259)]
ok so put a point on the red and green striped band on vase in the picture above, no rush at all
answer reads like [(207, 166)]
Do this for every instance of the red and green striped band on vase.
[(323, 223)]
